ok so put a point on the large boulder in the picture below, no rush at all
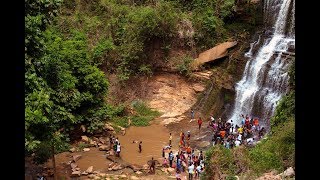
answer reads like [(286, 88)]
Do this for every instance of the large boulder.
[(72, 149), (288, 173), (84, 173), (108, 127), (104, 148), (86, 149), (85, 139), (76, 174), (75, 158), (73, 165), (103, 141), (90, 169), (212, 54)]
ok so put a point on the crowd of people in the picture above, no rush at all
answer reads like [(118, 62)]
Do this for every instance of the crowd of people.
[(231, 135), (226, 133)]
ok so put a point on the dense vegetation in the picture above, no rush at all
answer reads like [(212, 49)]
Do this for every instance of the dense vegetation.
[(276, 152), (68, 44)]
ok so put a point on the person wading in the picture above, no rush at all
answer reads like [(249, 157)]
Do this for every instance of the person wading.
[(152, 166), (199, 122), (170, 158), (140, 148)]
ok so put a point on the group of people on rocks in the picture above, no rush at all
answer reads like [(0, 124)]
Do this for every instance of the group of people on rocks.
[(115, 145)]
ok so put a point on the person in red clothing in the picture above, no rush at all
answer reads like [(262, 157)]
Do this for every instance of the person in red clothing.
[(222, 133), (199, 122)]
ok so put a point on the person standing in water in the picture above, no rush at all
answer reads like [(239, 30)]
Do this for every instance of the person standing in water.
[(192, 114), (199, 122), (140, 148)]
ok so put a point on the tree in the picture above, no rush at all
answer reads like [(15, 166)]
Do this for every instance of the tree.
[(63, 86)]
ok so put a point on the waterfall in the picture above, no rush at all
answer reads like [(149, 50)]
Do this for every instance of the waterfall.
[(265, 77)]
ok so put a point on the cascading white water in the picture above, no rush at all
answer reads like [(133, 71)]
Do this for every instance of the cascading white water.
[(265, 78)]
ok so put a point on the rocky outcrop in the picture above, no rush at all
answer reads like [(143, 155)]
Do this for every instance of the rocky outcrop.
[(85, 139), (72, 149), (104, 148), (212, 54), (86, 149), (89, 170), (76, 174), (288, 173), (75, 158), (108, 127)]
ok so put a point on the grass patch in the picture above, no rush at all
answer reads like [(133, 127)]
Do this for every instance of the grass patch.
[(143, 114)]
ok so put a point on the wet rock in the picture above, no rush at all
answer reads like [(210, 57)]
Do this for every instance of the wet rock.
[(91, 176), (117, 167), (204, 144), (85, 139), (93, 143), (76, 173), (89, 170), (135, 167), (123, 176), (86, 149), (288, 173), (138, 172), (198, 87), (145, 167), (84, 173), (73, 165), (134, 177), (108, 127), (104, 148), (76, 157), (72, 149), (102, 141)]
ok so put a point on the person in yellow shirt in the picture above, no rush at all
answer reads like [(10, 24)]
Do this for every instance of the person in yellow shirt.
[(240, 130)]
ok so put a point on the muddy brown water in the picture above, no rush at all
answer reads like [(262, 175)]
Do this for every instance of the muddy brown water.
[(153, 137), (94, 158)]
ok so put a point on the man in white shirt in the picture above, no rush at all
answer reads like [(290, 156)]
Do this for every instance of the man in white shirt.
[(191, 171), (237, 143)]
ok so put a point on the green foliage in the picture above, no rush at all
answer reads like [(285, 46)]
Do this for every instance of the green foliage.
[(101, 50), (143, 114), (184, 66), (63, 87), (82, 145), (219, 160)]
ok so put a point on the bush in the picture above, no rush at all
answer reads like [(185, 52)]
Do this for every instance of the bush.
[(184, 67), (143, 114)]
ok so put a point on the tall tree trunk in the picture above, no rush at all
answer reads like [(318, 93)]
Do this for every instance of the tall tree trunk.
[(54, 164)]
